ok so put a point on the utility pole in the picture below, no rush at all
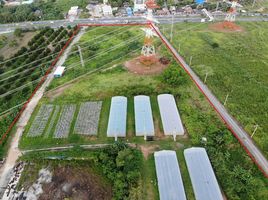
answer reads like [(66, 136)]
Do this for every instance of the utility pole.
[(206, 77), (81, 56), (256, 127), (171, 32), (226, 99), (253, 4), (191, 58), (217, 6)]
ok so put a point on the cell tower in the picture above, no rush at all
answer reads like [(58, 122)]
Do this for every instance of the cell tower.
[(232, 12), (148, 56)]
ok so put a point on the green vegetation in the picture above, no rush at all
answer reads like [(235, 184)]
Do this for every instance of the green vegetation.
[(17, 83), (120, 164), (236, 64)]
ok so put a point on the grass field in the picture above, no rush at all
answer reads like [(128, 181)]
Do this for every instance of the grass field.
[(236, 173), (237, 65)]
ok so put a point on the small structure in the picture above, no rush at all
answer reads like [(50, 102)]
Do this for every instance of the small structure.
[(170, 116), (168, 173), (117, 117), (59, 71), (73, 11), (129, 11), (107, 10), (144, 124), (202, 176), (139, 5)]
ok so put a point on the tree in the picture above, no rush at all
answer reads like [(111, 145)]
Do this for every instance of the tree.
[(18, 32), (173, 76)]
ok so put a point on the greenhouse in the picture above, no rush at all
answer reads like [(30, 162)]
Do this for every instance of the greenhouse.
[(168, 173), (144, 124), (170, 117), (202, 176), (117, 117)]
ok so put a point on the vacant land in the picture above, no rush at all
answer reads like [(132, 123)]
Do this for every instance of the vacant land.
[(10, 44), (114, 171), (236, 64)]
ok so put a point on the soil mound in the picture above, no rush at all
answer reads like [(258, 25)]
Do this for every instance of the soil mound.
[(136, 67), (226, 27)]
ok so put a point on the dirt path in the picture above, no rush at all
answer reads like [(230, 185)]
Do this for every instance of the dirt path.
[(14, 153)]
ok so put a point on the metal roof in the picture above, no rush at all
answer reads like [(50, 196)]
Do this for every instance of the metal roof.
[(171, 120), (144, 124), (202, 176), (169, 179), (117, 117)]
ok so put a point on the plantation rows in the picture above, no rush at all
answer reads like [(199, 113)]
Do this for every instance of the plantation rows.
[(64, 123), (40, 120), (20, 73), (88, 118), (86, 123), (29, 64)]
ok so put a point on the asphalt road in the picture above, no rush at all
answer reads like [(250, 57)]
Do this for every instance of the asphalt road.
[(4, 28), (243, 137)]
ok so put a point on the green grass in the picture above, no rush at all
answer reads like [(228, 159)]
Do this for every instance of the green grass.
[(237, 67)]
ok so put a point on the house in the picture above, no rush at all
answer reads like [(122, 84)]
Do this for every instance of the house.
[(107, 10), (139, 5)]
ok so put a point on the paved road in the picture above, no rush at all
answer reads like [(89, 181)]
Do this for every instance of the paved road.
[(114, 20), (231, 123)]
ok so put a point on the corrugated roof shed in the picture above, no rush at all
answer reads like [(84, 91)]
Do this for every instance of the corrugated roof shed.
[(143, 116), (171, 120), (117, 117), (169, 179), (202, 176)]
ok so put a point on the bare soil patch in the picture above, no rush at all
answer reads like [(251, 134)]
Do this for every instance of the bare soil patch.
[(226, 27), (147, 150), (136, 67), (7, 51), (57, 92), (76, 184)]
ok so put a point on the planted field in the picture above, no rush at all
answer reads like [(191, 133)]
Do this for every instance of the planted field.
[(88, 118), (40, 121), (64, 123), (236, 65), (20, 74)]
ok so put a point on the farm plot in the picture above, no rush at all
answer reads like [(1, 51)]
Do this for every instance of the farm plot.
[(52, 121), (40, 121), (64, 123), (88, 118)]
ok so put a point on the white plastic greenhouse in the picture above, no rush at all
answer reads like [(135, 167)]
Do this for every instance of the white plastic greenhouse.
[(117, 117), (170, 117), (202, 176), (144, 124), (168, 173)]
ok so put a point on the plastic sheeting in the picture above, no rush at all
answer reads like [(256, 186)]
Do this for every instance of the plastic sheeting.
[(202, 176), (117, 117), (143, 116), (170, 117), (169, 179)]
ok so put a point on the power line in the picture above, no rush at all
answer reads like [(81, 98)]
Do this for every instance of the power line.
[(13, 75), (56, 53), (31, 82)]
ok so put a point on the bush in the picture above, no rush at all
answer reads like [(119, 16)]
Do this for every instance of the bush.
[(173, 76)]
